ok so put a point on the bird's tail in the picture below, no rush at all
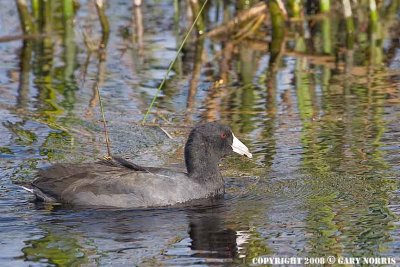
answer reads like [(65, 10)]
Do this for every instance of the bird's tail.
[(24, 185), (39, 194), (27, 189)]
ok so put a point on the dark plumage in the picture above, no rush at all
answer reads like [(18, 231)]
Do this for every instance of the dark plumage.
[(123, 184)]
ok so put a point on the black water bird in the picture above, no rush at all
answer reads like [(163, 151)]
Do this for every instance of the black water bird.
[(123, 184)]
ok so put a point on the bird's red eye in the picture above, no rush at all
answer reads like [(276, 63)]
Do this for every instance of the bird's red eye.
[(223, 135)]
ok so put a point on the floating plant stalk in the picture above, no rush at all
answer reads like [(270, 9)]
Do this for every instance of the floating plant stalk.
[(104, 122), (105, 27)]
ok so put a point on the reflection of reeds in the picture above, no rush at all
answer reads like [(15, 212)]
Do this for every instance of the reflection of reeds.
[(278, 16), (198, 15), (138, 29), (195, 78), (373, 11), (232, 25), (102, 55), (69, 40), (24, 72), (325, 5), (195, 8), (105, 26), (295, 8), (213, 102), (24, 16), (262, 26), (96, 98)]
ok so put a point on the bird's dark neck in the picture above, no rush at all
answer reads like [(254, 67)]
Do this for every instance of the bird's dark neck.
[(201, 161)]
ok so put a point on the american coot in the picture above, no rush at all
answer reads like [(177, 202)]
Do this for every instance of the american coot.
[(120, 183)]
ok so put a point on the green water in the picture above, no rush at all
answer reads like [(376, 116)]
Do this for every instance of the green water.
[(318, 107)]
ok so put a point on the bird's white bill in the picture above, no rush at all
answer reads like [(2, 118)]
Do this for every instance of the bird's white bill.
[(240, 148)]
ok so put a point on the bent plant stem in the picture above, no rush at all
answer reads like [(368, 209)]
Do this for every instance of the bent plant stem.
[(96, 90), (85, 69), (105, 28), (104, 124), (173, 62)]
